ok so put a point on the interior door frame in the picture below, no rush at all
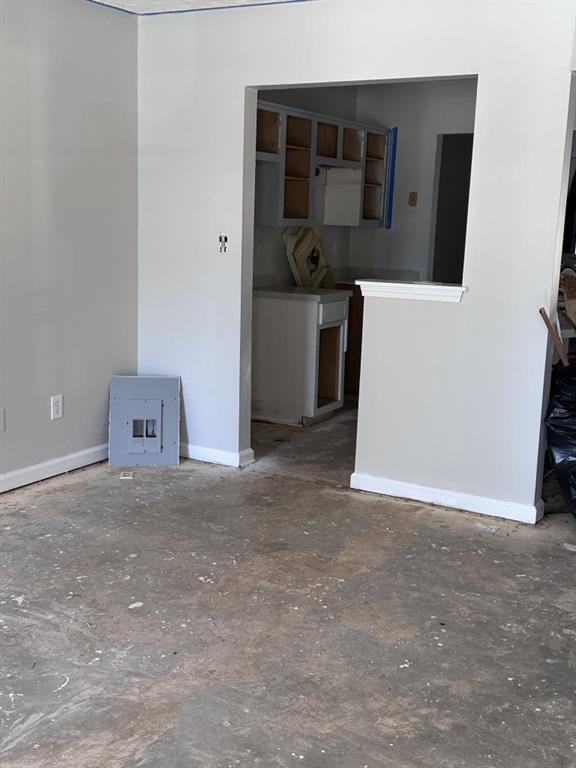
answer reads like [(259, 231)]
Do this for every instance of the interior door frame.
[(434, 214)]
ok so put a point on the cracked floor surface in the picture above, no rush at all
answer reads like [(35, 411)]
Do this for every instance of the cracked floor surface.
[(205, 617)]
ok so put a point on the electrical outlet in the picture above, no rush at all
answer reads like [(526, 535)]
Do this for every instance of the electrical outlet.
[(56, 405), (223, 242), (413, 199), (2, 419)]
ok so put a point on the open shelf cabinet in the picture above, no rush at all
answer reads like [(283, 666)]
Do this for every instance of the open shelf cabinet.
[(297, 168), (372, 203), (352, 144), (327, 140), (296, 198), (329, 365), (268, 131), (297, 163), (293, 144), (375, 176), (374, 172), (298, 131), (375, 146)]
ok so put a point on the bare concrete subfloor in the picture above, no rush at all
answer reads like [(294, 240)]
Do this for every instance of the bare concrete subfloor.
[(204, 617)]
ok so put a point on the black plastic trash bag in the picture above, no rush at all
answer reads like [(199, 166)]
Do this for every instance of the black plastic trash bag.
[(561, 430)]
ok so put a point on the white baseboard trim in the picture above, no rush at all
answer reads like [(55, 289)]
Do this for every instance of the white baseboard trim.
[(215, 456), (27, 475), (509, 510), (19, 477)]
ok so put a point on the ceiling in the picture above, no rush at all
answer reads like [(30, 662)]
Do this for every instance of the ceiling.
[(151, 7)]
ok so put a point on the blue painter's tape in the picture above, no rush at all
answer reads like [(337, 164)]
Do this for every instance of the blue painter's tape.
[(391, 178), (195, 10)]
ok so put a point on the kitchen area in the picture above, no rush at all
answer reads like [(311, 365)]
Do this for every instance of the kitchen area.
[(329, 171)]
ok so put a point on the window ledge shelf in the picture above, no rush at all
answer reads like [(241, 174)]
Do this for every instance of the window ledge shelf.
[(414, 291)]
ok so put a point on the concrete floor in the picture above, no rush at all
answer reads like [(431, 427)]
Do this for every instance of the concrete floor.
[(204, 617)]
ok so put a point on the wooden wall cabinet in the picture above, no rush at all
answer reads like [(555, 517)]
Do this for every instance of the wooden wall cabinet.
[(284, 176), (327, 140), (291, 144), (268, 131), (375, 164), (352, 145)]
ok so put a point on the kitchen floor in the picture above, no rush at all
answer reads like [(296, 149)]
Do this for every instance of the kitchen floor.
[(205, 617), (322, 452)]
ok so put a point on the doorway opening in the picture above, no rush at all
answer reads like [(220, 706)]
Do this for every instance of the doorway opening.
[(335, 171), (555, 482), (454, 165)]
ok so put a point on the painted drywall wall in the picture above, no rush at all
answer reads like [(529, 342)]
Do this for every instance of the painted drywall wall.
[(421, 111), (144, 7), (270, 263), (68, 230), (465, 415)]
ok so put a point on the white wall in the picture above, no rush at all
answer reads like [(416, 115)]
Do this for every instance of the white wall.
[(68, 229), (464, 415), (271, 265), (421, 111)]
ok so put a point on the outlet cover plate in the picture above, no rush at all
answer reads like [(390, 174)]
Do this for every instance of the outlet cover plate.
[(56, 405)]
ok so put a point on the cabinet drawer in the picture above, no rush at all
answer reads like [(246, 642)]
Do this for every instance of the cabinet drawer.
[(333, 312)]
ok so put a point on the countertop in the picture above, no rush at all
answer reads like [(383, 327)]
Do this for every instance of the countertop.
[(319, 295)]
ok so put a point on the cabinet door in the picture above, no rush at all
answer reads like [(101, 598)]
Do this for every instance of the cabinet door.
[(342, 197)]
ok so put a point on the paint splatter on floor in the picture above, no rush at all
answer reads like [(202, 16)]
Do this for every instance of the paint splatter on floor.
[(206, 617)]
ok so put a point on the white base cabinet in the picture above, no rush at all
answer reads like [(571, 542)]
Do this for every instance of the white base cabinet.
[(298, 349)]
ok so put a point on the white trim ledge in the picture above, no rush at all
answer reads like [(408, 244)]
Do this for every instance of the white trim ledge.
[(19, 477), (509, 510), (215, 456), (415, 291)]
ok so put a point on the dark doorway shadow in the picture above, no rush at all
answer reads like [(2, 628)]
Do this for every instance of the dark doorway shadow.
[(452, 206)]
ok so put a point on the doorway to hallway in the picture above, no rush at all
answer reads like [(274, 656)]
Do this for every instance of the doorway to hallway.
[(453, 187)]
